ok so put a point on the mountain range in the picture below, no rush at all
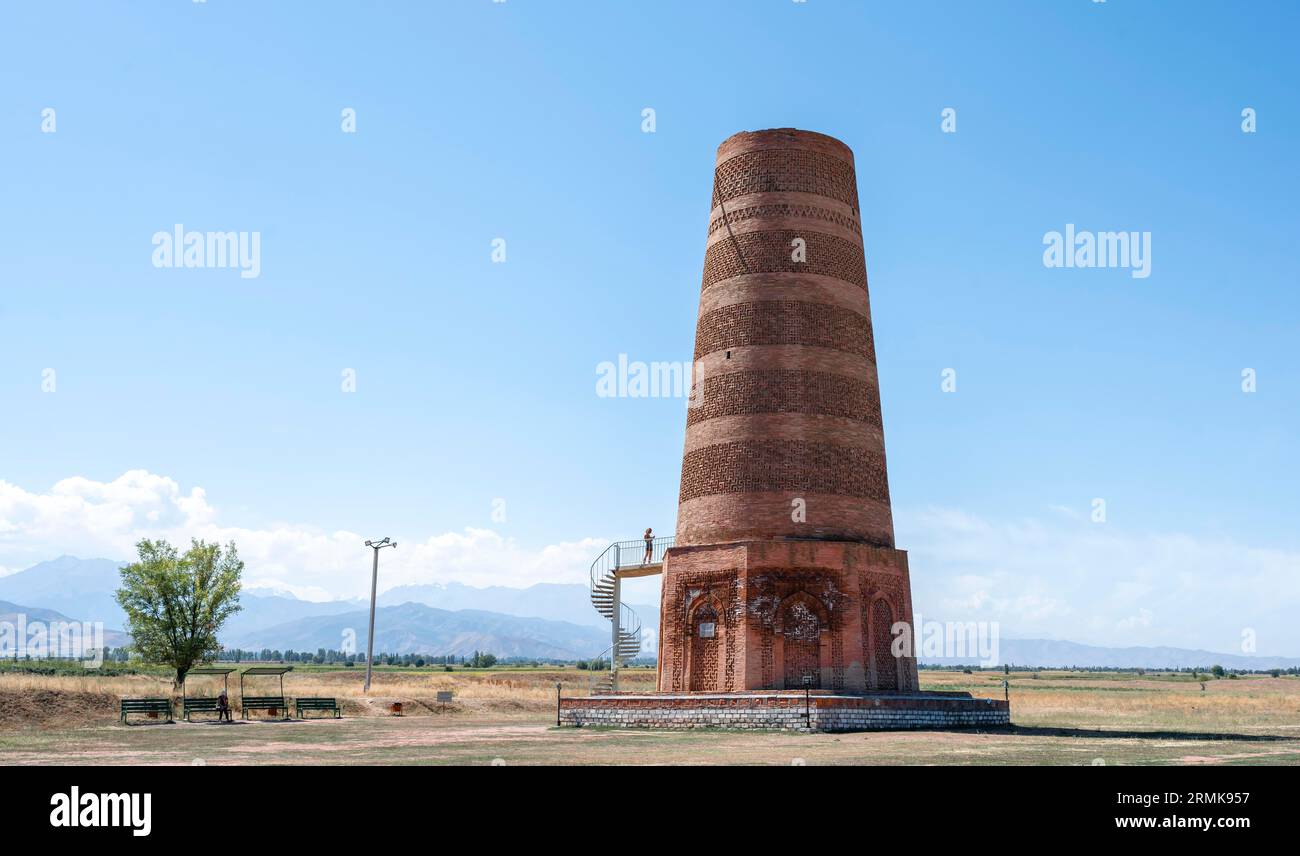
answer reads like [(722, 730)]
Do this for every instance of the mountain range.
[(1050, 653), (414, 628), (548, 620), (74, 642)]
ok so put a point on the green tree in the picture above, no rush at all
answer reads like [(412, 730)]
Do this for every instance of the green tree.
[(175, 604)]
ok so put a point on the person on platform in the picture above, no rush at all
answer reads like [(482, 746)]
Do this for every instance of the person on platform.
[(223, 707), (649, 546)]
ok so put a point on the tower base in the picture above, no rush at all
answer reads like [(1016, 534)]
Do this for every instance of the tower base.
[(782, 614), (787, 711)]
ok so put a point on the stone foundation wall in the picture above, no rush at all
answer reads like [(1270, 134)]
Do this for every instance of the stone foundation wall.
[(786, 712)]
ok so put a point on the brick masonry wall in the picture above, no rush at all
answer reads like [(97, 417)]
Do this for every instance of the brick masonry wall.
[(785, 163), (764, 591), (738, 214), (784, 322), (787, 391), (784, 525), (827, 713), (782, 342), (772, 251), (798, 466)]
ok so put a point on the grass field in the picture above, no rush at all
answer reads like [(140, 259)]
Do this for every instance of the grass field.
[(507, 716)]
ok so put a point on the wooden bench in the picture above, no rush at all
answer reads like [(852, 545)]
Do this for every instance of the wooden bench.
[(198, 705), (149, 706), (317, 703), (267, 703)]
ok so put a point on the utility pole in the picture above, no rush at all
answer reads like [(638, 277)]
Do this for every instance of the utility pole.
[(374, 584)]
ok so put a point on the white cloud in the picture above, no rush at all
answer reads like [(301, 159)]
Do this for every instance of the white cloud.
[(82, 517), (1068, 578), (1059, 577)]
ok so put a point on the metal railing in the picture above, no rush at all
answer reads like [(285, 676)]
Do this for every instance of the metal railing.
[(625, 635), (629, 554)]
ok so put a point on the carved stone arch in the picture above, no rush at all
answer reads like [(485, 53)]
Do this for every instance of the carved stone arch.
[(705, 645), (886, 669), (802, 641), (813, 605)]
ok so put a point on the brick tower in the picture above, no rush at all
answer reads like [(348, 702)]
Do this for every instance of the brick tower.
[(784, 570)]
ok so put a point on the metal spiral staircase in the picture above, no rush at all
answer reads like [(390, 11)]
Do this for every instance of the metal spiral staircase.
[(622, 560)]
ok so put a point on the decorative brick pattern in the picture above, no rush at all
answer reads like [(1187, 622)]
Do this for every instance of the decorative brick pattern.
[(785, 169), (755, 585), (733, 609), (686, 597), (882, 619), (771, 251), (784, 322), (788, 712), (767, 657), (704, 651), (786, 391), (788, 407), (781, 211), (802, 632), (756, 466)]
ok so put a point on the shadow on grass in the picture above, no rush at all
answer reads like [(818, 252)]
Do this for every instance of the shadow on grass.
[(1095, 733), (147, 723)]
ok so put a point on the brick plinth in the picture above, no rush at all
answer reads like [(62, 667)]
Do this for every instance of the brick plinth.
[(781, 610), (787, 711)]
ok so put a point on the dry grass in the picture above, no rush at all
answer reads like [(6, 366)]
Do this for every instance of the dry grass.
[(1128, 700), (525, 692), (1053, 699), (1061, 718)]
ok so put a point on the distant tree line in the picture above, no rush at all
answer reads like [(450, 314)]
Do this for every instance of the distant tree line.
[(332, 657)]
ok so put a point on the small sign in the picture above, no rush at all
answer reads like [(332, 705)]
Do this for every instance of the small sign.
[(707, 629), (444, 696)]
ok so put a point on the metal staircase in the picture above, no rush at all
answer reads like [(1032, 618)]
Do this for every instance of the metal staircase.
[(619, 561)]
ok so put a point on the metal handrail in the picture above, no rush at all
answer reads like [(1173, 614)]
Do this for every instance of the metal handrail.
[(605, 584), (629, 631), (596, 679), (629, 554)]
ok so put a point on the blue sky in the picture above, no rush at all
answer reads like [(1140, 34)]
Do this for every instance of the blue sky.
[(476, 381)]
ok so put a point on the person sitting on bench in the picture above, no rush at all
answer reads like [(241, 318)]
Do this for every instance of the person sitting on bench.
[(223, 708)]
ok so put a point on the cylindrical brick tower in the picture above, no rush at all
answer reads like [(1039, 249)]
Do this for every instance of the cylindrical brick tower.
[(784, 572), (786, 403)]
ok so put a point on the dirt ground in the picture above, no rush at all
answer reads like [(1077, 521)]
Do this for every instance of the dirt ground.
[(508, 718), (531, 740)]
